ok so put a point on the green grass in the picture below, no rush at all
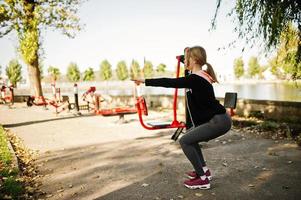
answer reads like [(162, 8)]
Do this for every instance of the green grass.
[(5, 154), (9, 185), (269, 125)]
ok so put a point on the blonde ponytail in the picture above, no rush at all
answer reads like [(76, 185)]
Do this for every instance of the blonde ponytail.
[(198, 54), (211, 72)]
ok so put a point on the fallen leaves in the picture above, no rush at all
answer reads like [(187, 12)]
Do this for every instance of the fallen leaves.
[(273, 153), (268, 129), (49, 195), (96, 177), (60, 190), (225, 164), (198, 194), (144, 185), (28, 171)]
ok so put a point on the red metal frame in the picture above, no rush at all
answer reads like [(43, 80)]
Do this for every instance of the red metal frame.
[(142, 108), (231, 112), (57, 102), (116, 111)]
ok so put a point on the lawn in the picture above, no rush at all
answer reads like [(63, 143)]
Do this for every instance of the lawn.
[(10, 187)]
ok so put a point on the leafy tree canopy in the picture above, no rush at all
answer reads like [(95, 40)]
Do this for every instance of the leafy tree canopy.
[(266, 20), (238, 67), (73, 73), (27, 18), (161, 68), (89, 74), (20, 15), (54, 72), (122, 71), (253, 67), (13, 72), (285, 59), (135, 71), (148, 69), (105, 70)]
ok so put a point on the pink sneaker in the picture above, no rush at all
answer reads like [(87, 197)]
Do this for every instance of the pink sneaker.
[(192, 175), (197, 183)]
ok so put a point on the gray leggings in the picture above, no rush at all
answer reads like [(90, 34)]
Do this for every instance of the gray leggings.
[(217, 126)]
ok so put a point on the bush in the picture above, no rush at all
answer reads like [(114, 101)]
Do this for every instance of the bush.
[(11, 187), (269, 125), (257, 114)]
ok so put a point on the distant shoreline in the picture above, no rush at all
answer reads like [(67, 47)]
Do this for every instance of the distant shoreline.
[(254, 81)]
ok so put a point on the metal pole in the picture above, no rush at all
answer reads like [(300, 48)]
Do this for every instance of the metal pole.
[(75, 90), (12, 96)]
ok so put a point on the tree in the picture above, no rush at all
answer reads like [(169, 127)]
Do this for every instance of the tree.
[(266, 20), (89, 74), (122, 71), (161, 68), (285, 58), (13, 72), (41, 69), (238, 67), (73, 73), (262, 69), (253, 67), (27, 18), (105, 70), (135, 71), (54, 72), (148, 69), (275, 70)]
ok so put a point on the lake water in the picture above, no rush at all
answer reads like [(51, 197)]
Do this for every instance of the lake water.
[(277, 91), (260, 91)]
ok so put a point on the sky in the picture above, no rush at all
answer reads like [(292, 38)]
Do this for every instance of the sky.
[(156, 30)]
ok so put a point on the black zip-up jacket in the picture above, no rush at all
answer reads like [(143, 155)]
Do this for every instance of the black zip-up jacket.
[(202, 103)]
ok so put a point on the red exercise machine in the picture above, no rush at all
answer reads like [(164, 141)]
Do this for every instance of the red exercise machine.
[(229, 103), (96, 99), (58, 102), (142, 108)]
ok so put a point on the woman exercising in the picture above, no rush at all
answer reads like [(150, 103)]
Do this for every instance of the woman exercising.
[(209, 118)]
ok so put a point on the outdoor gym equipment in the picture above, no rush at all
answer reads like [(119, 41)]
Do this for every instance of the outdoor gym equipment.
[(59, 102), (96, 99), (88, 97), (142, 108), (229, 103), (7, 95)]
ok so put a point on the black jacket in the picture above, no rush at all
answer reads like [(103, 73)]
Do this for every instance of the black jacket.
[(202, 105)]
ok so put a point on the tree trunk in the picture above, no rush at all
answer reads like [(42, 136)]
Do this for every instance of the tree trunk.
[(35, 80)]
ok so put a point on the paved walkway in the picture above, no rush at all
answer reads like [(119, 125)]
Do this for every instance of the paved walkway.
[(93, 157)]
